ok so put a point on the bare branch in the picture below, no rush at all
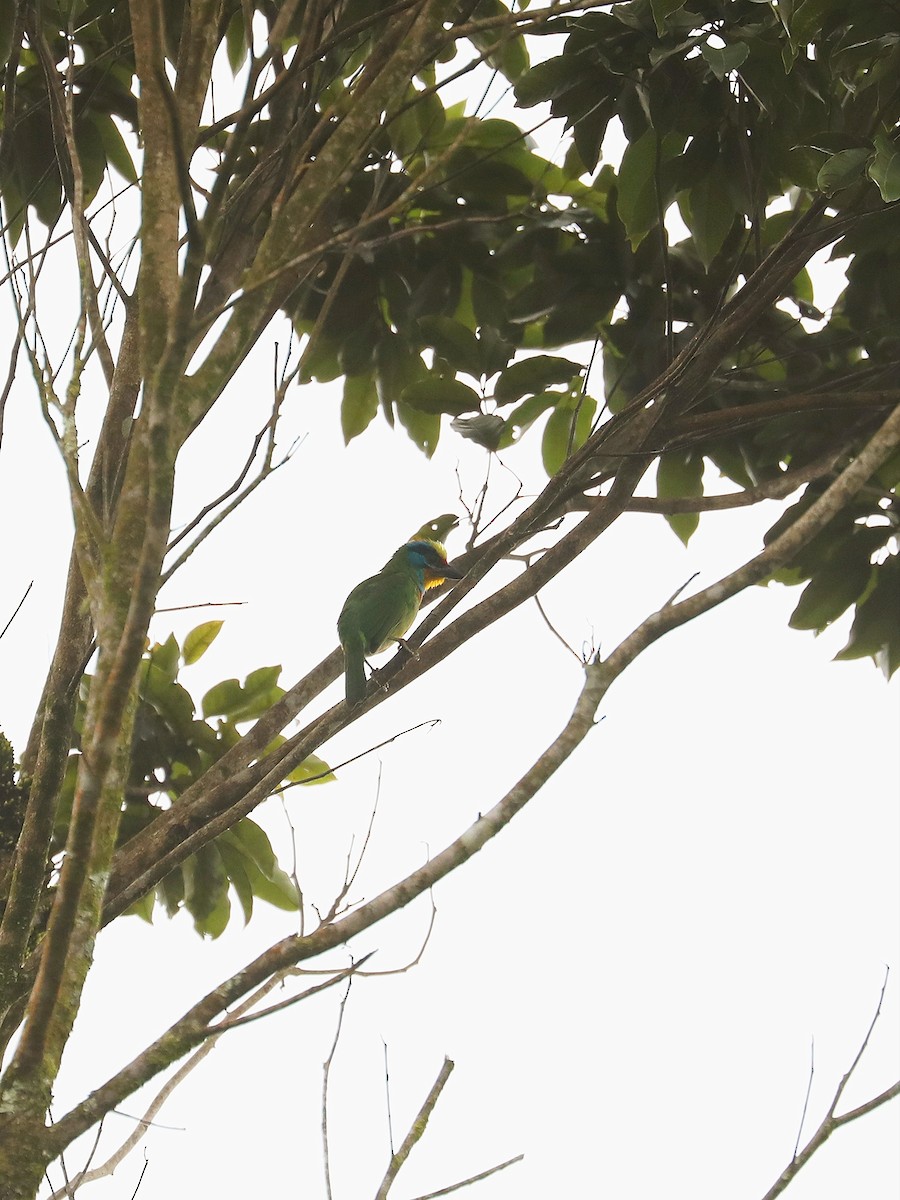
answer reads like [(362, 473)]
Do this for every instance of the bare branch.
[(455, 1187), (559, 637), (347, 973), (809, 1083), (416, 1130), (779, 488), (831, 1121), (326, 1071), (108, 1167)]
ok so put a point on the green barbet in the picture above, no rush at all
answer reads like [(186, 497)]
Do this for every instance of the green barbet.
[(380, 610)]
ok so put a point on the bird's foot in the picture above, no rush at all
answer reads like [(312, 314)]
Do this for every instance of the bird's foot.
[(405, 646)]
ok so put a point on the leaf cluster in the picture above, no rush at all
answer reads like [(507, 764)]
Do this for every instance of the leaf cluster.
[(172, 747)]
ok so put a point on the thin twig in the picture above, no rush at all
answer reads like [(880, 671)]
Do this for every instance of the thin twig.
[(203, 604), (679, 590), (350, 873), (454, 1187), (326, 1071), (555, 631), (16, 610), (831, 1122), (387, 1097), (809, 1083), (235, 1022), (431, 722), (144, 1122), (141, 1176), (294, 872)]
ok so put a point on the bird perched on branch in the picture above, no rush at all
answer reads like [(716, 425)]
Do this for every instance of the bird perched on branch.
[(380, 610)]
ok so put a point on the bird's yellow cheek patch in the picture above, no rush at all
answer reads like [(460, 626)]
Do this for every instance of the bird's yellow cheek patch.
[(433, 580)]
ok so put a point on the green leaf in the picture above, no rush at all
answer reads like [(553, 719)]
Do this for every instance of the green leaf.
[(358, 406), (709, 213), (312, 770), (143, 907), (725, 59), (279, 890), (171, 700), (495, 350), (437, 394), (423, 428), (238, 877), (165, 657), (14, 210), (417, 124), (170, 890), (875, 631), (206, 890), (261, 681), (884, 170), (115, 147), (199, 640), (831, 591), (638, 202), (236, 40), (662, 9), (454, 342), (396, 367), (92, 153), (531, 375), (268, 880), (524, 415), (544, 81), (252, 841), (259, 692), (680, 475), (223, 699), (842, 169), (504, 50), (566, 430), (214, 923)]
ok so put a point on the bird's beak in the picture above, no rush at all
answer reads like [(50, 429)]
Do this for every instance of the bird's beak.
[(450, 572)]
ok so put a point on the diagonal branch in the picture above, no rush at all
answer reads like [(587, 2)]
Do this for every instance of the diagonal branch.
[(831, 1122), (416, 1129)]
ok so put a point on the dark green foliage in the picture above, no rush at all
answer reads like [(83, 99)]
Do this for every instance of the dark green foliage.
[(448, 307)]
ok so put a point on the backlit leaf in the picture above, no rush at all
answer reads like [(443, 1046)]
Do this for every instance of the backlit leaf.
[(438, 394), (199, 640), (680, 475), (532, 375)]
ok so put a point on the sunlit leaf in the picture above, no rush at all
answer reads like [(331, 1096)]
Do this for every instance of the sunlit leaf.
[(199, 640)]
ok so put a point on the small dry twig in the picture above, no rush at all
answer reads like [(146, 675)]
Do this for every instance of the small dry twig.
[(831, 1122)]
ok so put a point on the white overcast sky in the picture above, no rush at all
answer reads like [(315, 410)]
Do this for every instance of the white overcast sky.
[(629, 978)]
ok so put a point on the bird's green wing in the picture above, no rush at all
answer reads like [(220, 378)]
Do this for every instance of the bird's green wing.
[(381, 609)]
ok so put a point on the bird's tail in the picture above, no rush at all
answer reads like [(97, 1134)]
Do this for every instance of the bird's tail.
[(354, 673)]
